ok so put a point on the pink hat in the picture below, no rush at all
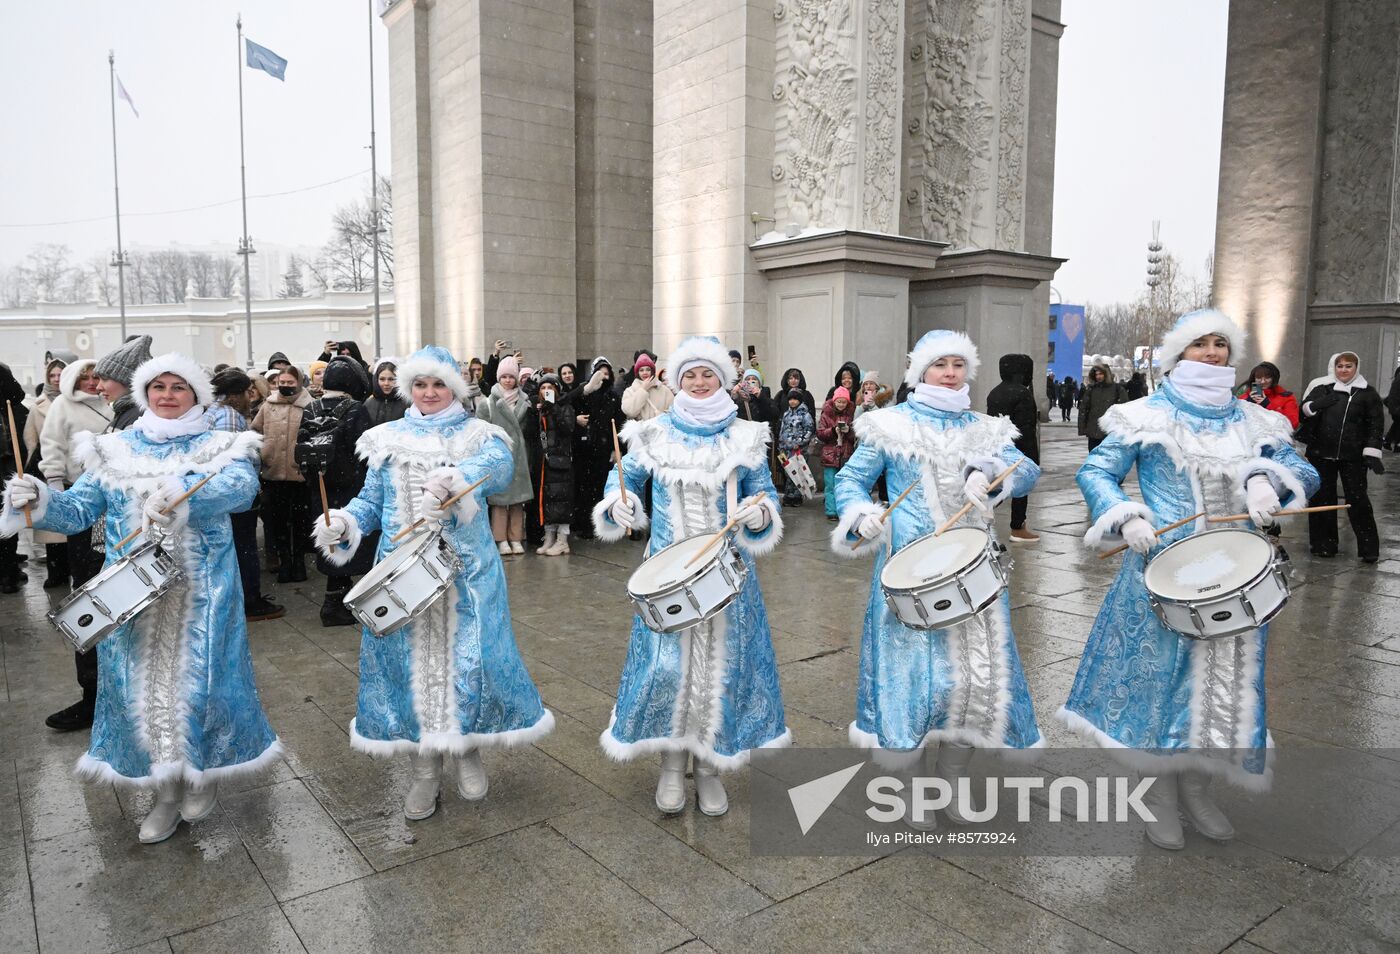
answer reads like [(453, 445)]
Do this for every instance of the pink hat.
[(526, 373), (643, 361), (509, 366), (841, 394)]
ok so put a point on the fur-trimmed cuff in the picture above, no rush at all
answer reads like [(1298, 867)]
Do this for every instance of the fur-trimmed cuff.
[(603, 525), (343, 553), (1371, 452), (468, 507), (12, 521), (762, 542), (1283, 480), (1105, 531), (845, 533), (991, 467)]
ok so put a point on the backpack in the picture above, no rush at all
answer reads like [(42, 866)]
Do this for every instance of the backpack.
[(318, 438)]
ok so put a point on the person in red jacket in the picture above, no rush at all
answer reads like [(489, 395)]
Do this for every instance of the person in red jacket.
[(1263, 389), (838, 440)]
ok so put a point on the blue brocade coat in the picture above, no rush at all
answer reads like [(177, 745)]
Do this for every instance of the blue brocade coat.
[(452, 680), (175, 694), (1141, 686), (711, 690), (963, 683)]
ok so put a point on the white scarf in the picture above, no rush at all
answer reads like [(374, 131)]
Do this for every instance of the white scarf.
[(942, 399), (448, 415), (1204, 383), (163, 429), (704, 412)]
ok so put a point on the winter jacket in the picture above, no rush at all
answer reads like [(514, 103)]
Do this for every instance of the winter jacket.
[(807, 399), (1277, 399), (278, 421), (1096, 401), (1065, 393), (125, 412), (796, 430), (883, 396), (12, 393), (73, 413), (495, 410), (347, 471), (1136, 386), (384, 407), (33, 427), (549, 432), (756, 407), (852, 367), (1014, 399), (837, 444), (644, 400), (1343, 422)]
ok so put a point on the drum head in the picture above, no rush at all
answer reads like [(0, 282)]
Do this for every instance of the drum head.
[(931, 558), (668, 567), (1213, 562), (406, 553)]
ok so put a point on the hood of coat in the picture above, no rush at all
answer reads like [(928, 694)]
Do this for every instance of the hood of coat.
[(68, 381), (1016, 369), (801, 379), (374, 380), (852, 367), (1107, 376), (10, 389)]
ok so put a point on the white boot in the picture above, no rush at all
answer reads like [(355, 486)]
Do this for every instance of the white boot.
[(548, 544), (953, 759), (421, 800), (1200, 810), (164, 818), (561, 545), (1161, 801), (472, 783), (709, 790), (198, 802), (670, 789), (503, 548), (517, 547)]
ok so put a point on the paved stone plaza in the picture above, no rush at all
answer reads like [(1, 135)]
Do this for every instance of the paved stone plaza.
[(568, 852)]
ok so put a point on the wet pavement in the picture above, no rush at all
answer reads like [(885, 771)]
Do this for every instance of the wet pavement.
[(568, 852)]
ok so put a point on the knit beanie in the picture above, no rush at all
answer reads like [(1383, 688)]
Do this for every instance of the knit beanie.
[(643, 361), (509, 365), (121, 364), (841, 394), (753, 373)]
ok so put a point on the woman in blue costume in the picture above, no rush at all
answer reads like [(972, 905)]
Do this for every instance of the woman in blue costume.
[(177, 709), (452, 681), (1179, 709), (962, 686), (711, 690)]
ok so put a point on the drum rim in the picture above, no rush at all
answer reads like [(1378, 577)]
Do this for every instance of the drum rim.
[(1269, 568), (952, 622), (696, 572), (414, 544), (986, 551), (177, 573)]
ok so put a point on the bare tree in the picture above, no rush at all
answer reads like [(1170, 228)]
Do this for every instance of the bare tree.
[(227, 277), (102, 280), (14, 287), (346, 262), (202, 275), (47, 268)]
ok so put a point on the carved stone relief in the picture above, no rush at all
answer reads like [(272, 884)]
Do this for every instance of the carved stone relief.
[(1012, 122), (882, 135)]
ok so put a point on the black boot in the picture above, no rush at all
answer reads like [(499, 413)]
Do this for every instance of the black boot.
[(75, 717), (298, 569), (334, 613)]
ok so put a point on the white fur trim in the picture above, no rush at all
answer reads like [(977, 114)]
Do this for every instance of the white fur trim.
[(68, 378), (421, 367), (955, 344), (1371, 452), (1149, 763), (341, 555), (1189, 327), (110, 458), (895, 432), (765, 541), (845, 529), (1283, 480), (453, 743), (861, 739), (1106, 531), (13, 521), (172, 363), (705, 351), (603, 526), (1155, 421), (652, 444), (428, 448), (620, 751), (98, 771)]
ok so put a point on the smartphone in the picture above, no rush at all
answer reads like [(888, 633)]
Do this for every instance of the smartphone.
[(752, 352), (509, 345), (549, 396)]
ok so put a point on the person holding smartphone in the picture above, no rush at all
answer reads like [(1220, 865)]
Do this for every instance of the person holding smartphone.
[(838, 443), (549, 437), (1263, 389)]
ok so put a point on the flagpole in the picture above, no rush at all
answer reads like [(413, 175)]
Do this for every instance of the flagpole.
[(373, 184), (118, 260), (245, 244)]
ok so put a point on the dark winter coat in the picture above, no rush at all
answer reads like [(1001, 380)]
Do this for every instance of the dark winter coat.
[(549, 430), (1342, 425), (852, 367), (125, 413), (593, 446), (1013, 398), (1052, 389), (1065, 393), (807, 399), (1136, 386), (837, 444), (382, 407), (1095, 402), (11, 392), (757, 407)]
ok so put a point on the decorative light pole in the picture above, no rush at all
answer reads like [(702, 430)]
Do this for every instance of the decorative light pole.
[(1154, 280)]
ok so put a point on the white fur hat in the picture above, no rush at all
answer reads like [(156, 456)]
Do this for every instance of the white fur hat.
[(700, 349), (1192, 325), (940, 343), (432, 361), (172, 363)]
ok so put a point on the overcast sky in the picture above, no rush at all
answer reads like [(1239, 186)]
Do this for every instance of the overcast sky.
[(1139, 126)]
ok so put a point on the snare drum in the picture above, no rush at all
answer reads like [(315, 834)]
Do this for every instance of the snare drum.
[(405, 583), (936, 581), (115, 596), (1217, 583), (671, 597)]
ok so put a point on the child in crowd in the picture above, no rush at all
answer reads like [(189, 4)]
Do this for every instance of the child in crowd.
[(834, 432), (795, 432)]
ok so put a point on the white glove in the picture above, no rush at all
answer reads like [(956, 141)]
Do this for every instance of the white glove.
[(329, 536), (975, 488), (161, 499), (751, 514), (595, 381), (55, 483), (1139, 534), (440, 486), (871, 526), (624, 513), (22, 491), (1261, 500)]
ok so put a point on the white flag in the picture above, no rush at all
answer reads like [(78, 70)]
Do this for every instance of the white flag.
[(121, 91)]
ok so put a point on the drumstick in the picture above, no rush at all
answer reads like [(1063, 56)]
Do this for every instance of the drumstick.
[(733, 521), (445, 504), (1170, 526), (19, 458), (890, 509), (325, 501), (967, 507), (617, 453), (1234, 517), (168, 508)]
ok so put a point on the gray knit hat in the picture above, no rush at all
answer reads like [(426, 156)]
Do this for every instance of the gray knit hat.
[(121, 364)]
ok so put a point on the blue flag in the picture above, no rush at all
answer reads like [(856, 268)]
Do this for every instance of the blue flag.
[(261, 58)]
